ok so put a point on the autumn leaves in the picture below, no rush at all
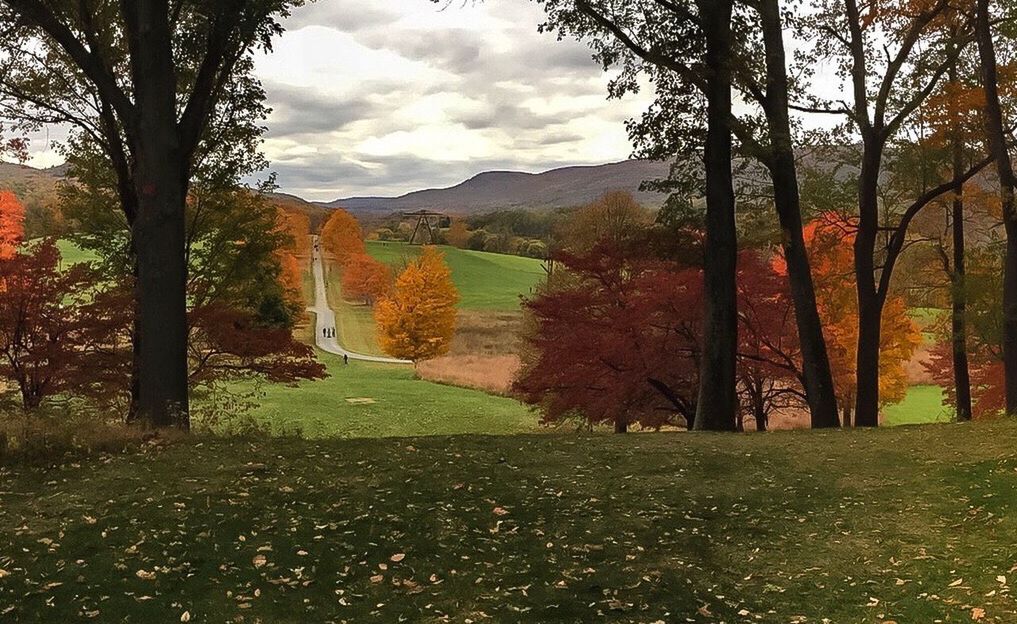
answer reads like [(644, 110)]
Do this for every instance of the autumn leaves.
[(416, 313)]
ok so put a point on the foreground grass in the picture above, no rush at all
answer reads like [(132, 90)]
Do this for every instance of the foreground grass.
[(906, 524), (486, 281), (376, 400)]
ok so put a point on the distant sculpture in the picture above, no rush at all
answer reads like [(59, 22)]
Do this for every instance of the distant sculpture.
[(425, 218)]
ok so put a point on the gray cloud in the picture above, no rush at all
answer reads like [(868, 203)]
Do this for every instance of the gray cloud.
[(520, 99)]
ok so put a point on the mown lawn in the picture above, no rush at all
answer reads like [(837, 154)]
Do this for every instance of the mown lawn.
[(486, 281), (370, 400), (923, 404), (905, 525)]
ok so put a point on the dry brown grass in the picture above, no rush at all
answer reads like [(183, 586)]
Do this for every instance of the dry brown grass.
[(491, 373), (483, 354)]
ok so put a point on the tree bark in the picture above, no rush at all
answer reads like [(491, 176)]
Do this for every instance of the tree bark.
[(620, 426), (717, 402), (160, 180), (996, 135), (958, 294), (870, 302), (819, 388)]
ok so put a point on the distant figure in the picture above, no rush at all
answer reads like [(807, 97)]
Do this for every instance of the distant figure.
[(324, 332), (346, 359)]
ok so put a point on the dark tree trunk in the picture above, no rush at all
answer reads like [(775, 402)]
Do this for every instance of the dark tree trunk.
[(621, 426), (870, 303), (717, 402), (996, 134), (160, 181), (958, 321), (819, 389)]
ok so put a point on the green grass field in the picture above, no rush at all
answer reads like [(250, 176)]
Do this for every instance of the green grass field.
[(923, 404), (486, 281), (387, 400), (72, 254), (910, 525)]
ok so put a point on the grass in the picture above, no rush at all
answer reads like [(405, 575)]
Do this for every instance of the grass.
[(486, 281), (398, 404), (923, 404), (72, 254), (905, 524)]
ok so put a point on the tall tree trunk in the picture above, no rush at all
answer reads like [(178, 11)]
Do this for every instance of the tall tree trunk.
[(958, 292), (996, 134), (717, 402), (870, 305), (620, 426), (160, 181), (819, 389)]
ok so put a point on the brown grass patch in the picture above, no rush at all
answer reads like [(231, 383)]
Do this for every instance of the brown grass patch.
[(491, 373)]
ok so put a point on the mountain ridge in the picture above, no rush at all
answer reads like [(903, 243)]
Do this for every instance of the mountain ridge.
[(562, 187)]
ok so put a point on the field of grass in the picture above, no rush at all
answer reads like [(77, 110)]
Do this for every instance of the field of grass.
[(71, 254), (905, 524), (923, 404), (378, 400), (486, 281)]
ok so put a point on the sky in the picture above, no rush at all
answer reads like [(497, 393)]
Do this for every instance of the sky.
[(381, 98)]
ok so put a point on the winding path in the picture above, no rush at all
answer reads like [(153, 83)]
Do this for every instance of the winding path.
[(325, 317)]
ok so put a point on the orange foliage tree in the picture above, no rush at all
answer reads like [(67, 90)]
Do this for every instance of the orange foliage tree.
[(12, 223), (418, 319), (366, 278), (298, 227), (830, 241), (342, 236)]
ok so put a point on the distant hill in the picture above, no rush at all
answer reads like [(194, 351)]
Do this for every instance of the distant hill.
[(493, 190)]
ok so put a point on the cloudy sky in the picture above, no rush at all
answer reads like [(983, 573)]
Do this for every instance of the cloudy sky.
[(387, 97)]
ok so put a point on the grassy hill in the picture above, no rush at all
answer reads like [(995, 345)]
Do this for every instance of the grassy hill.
[(486, 281), (905, 525)]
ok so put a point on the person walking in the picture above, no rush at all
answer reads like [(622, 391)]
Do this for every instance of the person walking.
[(346, 359)]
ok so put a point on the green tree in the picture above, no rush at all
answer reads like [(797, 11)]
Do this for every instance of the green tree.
[(143, 80)]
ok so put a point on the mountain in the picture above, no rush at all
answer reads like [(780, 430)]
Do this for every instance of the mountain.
[(494, 190)]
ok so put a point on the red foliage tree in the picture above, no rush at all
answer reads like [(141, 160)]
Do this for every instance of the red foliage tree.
[(58, 333), (616, 341), (226, 344)]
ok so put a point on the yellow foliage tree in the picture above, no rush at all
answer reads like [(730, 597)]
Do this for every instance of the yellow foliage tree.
[(342, 236), (418, 319)]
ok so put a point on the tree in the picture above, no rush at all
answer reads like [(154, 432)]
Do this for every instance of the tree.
[(291, 279), (417, 320), (458, 234), (907, 55), (615, 339), (830, 241), (60, 331), (12, 224), (670, 41), (996, 134), (697, 63), (614, 216), (342, 237), (143, 80), (366, 278)]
